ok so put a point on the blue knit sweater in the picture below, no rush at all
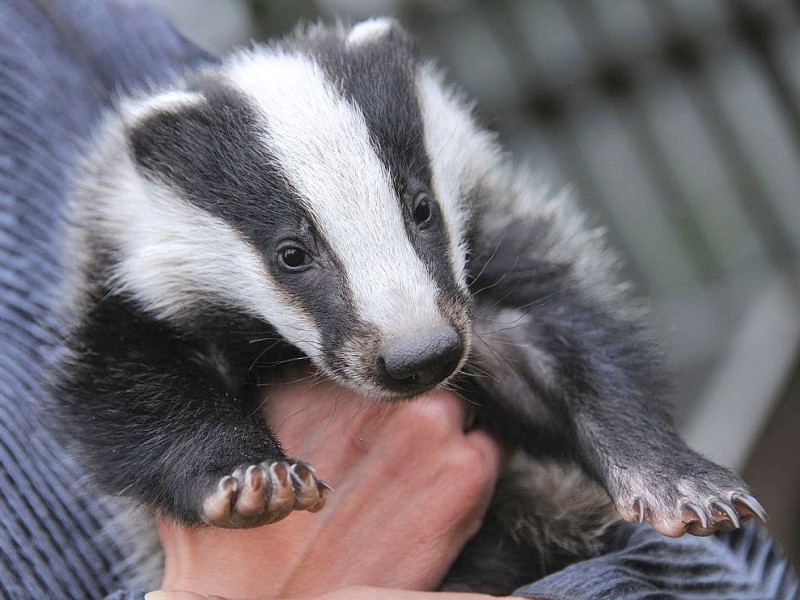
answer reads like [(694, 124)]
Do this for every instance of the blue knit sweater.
[(61, 63)]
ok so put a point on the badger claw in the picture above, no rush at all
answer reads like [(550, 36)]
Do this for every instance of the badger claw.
[(747, 507), (640, 510), (693, 514), (699, 516), (310, 492), (263, 493), (709, 499), (725, 516)]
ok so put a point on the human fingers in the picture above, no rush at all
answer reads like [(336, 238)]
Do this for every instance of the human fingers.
[(415, 497), (367, 449), (351, 440), (334, 428), (424, 450)]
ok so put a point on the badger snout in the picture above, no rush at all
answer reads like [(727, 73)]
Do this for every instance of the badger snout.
[(415, 363)]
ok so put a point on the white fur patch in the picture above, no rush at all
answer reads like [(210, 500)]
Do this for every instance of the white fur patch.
[(164, 102), (369, 31), (322, 142)]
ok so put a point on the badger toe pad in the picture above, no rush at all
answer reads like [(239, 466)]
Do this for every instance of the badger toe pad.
[(263, 493)]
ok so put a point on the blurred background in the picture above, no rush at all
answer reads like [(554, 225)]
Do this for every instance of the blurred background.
[(677, 123)]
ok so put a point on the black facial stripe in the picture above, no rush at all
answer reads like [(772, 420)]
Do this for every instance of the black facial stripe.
[(379, 77), (210, 152), (215, 154)]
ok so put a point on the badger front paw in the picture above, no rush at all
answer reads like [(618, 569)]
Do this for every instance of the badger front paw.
[(264, 493), (706, 500)]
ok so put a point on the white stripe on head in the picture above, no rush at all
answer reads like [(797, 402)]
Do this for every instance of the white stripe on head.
[(461, 155), (323, 144)]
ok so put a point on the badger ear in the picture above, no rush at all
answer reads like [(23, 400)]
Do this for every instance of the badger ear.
[(163, 127), (136, 111), (376, 30)]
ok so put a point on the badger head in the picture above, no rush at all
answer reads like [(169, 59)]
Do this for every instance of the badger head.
[(321, 185)]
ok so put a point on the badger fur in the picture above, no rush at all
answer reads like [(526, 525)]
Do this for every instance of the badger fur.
[(330, 196)]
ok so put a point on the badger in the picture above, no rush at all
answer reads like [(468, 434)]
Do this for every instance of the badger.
[(331, 198)]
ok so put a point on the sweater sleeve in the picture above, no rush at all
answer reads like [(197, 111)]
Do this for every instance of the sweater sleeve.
[(639, 563), (126, 595), (61, 63)]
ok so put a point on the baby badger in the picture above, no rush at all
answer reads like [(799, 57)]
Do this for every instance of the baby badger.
[(328, 197)]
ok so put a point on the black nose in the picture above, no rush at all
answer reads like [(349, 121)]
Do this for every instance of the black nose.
[(418, 362)]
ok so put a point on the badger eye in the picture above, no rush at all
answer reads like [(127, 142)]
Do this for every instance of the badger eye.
[(423, 209), (293, 258)]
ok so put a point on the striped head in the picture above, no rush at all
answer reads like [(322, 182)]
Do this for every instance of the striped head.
[(320, 185)]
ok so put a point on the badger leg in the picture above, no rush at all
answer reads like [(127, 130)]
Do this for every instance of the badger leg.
[(572, 373), (157, 423), (595, 400)]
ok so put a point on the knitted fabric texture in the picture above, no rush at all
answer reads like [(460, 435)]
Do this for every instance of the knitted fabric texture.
[(61, 63)]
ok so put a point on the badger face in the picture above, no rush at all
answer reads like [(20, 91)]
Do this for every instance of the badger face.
[(300, 184)]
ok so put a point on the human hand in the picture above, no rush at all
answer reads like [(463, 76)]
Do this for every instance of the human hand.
[(411, 487)]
